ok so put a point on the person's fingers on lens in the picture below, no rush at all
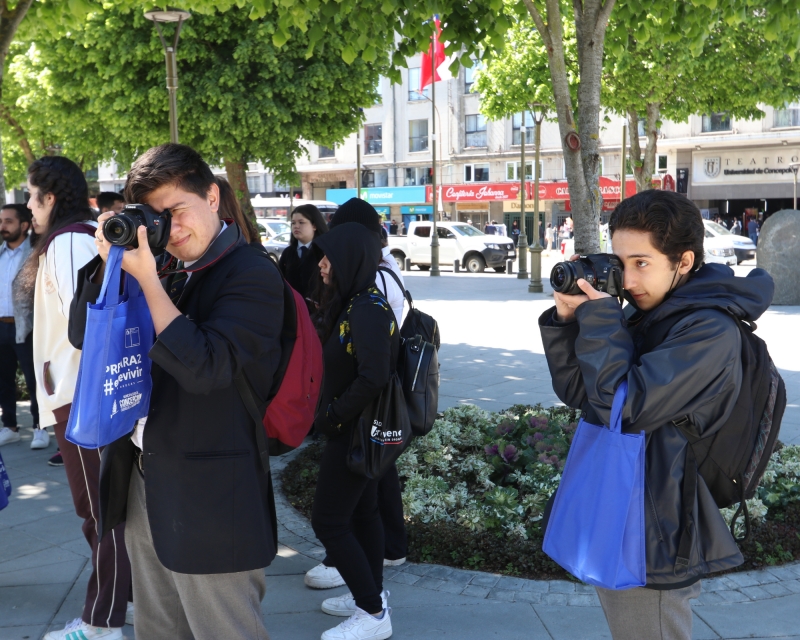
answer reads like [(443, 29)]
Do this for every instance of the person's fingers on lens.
[(574, 257)]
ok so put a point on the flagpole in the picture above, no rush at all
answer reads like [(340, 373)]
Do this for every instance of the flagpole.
[(435, 234)]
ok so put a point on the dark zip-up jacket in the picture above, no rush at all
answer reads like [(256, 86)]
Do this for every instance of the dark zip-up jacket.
[(361, 353), (210, 505), (696, 372)]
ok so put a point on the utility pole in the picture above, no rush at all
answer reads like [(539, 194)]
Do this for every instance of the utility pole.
[(170, 53), (522, 244)]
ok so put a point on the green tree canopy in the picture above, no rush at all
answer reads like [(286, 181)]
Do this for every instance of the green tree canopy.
[(99, 91)]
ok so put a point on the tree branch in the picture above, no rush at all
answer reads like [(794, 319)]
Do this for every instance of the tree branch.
[(541, 27), (10, 23), (603, 17), (22, 137)]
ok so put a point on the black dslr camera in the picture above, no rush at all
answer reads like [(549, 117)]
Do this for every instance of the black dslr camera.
[(601, 270), (121, 229)]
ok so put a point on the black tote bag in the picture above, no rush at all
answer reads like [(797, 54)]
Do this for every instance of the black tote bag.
[(381, 433)]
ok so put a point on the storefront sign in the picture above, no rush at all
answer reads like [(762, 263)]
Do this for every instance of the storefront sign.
[(477, 192), (609, 189), (384, 211), (744, 166), (509, 192), (380, 195), (419, 209), (608, 205)]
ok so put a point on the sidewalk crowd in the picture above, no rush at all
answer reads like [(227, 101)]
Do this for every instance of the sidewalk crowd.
[(180, 514)]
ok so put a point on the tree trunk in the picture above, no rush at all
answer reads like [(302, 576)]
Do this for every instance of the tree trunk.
[(583, 164), (9, 23), (644, 164), (236, 170)]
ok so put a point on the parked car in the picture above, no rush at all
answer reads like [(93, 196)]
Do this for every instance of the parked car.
[(271, 227), (276, 245), (280, 208), (457, 241), (719, 249), (743, 247)]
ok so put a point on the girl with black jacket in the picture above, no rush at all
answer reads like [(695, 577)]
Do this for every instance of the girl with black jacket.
[(297, 263), (361, 342)]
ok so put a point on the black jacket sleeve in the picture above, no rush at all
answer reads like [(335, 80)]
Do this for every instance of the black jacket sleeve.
[(244, 326), (86, 292), (373, 331), (559, 350), (694, 372)]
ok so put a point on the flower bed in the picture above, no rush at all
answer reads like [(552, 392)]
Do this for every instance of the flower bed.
[(475, 488)]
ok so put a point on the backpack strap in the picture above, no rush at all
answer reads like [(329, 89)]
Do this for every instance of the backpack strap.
[(75, 227), (406, 294)]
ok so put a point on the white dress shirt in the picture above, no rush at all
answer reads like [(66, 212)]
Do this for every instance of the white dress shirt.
[(9, 268)]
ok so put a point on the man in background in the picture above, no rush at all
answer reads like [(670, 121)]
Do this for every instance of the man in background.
[(110, 201)]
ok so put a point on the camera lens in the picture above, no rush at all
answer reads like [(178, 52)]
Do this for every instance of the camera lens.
[(120, 230), (558, 277)]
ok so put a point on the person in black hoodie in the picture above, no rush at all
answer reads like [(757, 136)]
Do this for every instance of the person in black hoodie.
[(361, 342), (297, 263), (592, 344)]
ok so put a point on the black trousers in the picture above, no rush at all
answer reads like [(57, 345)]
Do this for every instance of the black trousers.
[(11, 354), (346, 519)]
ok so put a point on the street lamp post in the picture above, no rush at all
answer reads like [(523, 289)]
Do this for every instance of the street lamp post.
[(170, 53), (794, 167), (535, 286), (435, 232), (522, 244)]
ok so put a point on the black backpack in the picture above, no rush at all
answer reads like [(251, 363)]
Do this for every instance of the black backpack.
[(733, 459), (418, 364)]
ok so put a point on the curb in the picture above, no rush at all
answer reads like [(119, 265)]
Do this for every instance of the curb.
[(295, 532)]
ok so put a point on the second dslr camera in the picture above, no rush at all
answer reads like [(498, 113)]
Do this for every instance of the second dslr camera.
[(601, 270), (121, 229)]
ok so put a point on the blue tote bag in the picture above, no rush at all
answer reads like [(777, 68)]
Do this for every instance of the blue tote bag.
[(114, 385), (596, 527), (5, 485)]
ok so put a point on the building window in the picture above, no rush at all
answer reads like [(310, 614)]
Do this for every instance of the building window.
[(414, 94), (476, 131), (512, 171), (469, 75), (327, 152), (516, 125), (417, 176), (476, 173), (716, 122), (417, 135), (375, 178), (255, 184), (661, 164), (788, 117), (373, 139)]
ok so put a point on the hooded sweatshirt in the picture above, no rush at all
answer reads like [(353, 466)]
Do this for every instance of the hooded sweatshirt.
[(361, 353), (695, 371)]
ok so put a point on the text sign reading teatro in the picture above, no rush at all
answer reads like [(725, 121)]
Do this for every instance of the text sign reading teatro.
[(743, 166)]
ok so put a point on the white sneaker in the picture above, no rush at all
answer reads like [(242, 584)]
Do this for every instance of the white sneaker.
[(7, 436), (41, 439), (393, 563), (362, 626), (322, 577), (79, 630), (346, 605), (129, 614)]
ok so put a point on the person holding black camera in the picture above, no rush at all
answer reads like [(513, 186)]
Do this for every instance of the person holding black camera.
[(200, 510), (592, 344)]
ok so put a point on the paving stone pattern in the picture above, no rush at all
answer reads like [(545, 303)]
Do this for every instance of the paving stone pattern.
[(294, 531)]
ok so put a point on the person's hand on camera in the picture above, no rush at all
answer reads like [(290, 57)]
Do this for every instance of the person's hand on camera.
[(140, 262), (567, 304), (103, 245)]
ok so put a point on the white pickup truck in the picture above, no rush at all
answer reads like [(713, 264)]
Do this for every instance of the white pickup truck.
[(460, 241)]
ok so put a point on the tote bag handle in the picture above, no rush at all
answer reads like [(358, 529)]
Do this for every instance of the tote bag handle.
[(620, 396), (112, 277)]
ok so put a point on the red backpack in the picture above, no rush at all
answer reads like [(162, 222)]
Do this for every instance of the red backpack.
[(292, 400)]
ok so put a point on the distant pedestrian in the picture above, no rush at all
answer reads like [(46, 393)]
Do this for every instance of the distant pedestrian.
[(297, 263), (393, 228), (736, 229), (515, 231), (752, 230), (361, 342), (549, 234), (16, 323), (402, 228)]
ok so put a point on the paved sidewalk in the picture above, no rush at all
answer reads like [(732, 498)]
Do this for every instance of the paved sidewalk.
[(491, 356)]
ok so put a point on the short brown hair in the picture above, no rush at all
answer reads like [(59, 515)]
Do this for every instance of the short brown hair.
[(168, 164), (673, 221)]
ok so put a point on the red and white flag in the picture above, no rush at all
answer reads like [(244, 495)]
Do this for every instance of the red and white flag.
[(435, 51)]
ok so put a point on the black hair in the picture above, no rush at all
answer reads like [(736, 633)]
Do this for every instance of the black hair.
[(106, 199), (329, 306), (673, 221), (229, 208), (313, 215), (168, 164), (64, 179), (23, 213)]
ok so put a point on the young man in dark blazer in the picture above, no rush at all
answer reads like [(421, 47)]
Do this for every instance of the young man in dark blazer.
[(199, 507)]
